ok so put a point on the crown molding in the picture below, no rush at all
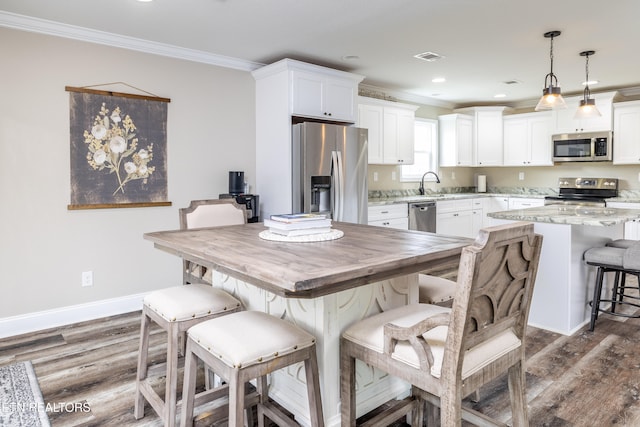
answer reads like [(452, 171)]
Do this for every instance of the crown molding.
[(394, 95), (52, 28)]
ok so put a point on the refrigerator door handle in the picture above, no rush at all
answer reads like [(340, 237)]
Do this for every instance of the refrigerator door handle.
[(338, 185)]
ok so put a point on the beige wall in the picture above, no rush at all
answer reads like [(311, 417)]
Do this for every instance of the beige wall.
[(45, 247)]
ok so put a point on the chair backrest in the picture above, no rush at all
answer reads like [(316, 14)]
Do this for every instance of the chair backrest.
[(495, 285), (212, 213)]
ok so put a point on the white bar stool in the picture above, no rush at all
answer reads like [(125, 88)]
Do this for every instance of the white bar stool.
[(244, 346), (175, 310)]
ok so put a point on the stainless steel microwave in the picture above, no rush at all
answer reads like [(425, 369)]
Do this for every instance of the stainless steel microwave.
[(583, 147)]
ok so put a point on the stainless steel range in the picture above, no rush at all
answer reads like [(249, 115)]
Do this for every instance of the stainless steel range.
[(584, 191)]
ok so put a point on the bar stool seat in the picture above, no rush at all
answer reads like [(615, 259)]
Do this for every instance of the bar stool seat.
[(621, 261), (622, 243), (175, 310), (244, 346)]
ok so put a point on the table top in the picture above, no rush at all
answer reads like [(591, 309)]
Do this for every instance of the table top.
[(570, 215), (365, 254)]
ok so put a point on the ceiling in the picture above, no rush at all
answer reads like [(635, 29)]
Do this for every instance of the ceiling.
[(484, 44)]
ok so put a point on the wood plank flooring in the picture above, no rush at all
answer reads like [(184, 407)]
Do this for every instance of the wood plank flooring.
[(588, 379)]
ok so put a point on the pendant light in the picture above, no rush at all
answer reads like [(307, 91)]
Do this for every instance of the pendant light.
[(587, 108), (551, 97)]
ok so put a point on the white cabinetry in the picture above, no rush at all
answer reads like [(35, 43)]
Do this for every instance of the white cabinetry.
[(456, 140), (392, 216), (626, 131), (527, 139), (631, 228), (524, 203), (488, 139), (319, 95), (459, 217), (391, 130), (564, 122), (285, 89)]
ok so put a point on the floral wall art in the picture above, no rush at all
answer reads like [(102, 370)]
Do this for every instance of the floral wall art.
[(118, 150)]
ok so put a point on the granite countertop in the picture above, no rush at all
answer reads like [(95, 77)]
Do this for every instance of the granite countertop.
[(374, 201), (570, 215)]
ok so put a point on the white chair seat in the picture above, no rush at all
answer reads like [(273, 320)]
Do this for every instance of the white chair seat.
[(189, 302), (434, 289), (263, 337), (370, 334)]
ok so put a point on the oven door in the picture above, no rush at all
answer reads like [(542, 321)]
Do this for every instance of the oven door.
[(573, 150)]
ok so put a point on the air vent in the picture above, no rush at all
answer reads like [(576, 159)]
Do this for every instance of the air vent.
[(512, 82), (428, 56)]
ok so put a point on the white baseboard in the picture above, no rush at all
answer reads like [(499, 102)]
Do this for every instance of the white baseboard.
[(47, 319)]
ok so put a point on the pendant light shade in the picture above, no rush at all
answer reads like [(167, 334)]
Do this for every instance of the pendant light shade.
[(551, 97), (587, 108)]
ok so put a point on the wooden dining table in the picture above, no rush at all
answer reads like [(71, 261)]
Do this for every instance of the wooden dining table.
[(321, 286)]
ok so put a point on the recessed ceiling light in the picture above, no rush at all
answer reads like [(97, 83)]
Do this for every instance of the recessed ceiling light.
[(428, 56), (591, 82), (438, 80), (500, 95), (145, 1)]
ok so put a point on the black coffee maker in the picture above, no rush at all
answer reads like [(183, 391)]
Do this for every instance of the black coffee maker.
[(237, 192)]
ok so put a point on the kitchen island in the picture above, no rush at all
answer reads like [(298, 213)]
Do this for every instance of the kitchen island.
[(322, 287), (564, 285)]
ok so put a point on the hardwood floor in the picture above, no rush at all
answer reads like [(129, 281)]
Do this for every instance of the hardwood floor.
[(588, 379)]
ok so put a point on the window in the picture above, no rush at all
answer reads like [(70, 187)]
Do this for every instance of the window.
[(425, 152)]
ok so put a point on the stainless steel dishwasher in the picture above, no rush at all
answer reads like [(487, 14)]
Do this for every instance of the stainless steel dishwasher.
[(422, 216)]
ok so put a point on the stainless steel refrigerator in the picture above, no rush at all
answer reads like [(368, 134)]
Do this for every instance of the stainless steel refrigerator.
[(329, 167)]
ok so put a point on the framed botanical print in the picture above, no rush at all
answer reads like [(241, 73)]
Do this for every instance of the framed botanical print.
[(118, 149)]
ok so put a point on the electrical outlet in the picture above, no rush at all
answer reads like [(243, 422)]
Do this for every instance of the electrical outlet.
[(638, 176), (453, 175), (375, 177), (393, 176), (521, 176), (87, 278)]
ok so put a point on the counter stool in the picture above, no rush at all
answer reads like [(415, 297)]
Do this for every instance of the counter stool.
[(244, 346), (621, 262), (175, 310)]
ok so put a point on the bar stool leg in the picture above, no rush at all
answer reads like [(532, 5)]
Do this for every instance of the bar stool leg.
[(171, 385), (313, 390), (263, 391), (143, 354), (617, 291), (236, 400), (595, 303), (188, 396)]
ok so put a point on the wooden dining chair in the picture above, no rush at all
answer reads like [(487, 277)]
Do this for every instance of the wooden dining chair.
[(448, 353), (208, 213)]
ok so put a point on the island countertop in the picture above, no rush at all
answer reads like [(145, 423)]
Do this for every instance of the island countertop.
[(365, 254), (570, 215)]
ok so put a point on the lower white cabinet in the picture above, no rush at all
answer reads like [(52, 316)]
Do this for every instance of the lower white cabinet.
[(631, 228), (456, 218), (524, 203), (392, 216)]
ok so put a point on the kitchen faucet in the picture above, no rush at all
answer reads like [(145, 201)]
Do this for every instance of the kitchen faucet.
[(421, 189)]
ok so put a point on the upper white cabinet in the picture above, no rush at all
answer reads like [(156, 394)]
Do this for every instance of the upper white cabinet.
[(487, 134), (626, 141), (527, 139), (564, 122), (323, 95), (286, 89), (456, 140), (391, 130)]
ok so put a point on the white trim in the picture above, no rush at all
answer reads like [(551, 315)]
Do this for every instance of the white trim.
[(40, 320), (52, 28)]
